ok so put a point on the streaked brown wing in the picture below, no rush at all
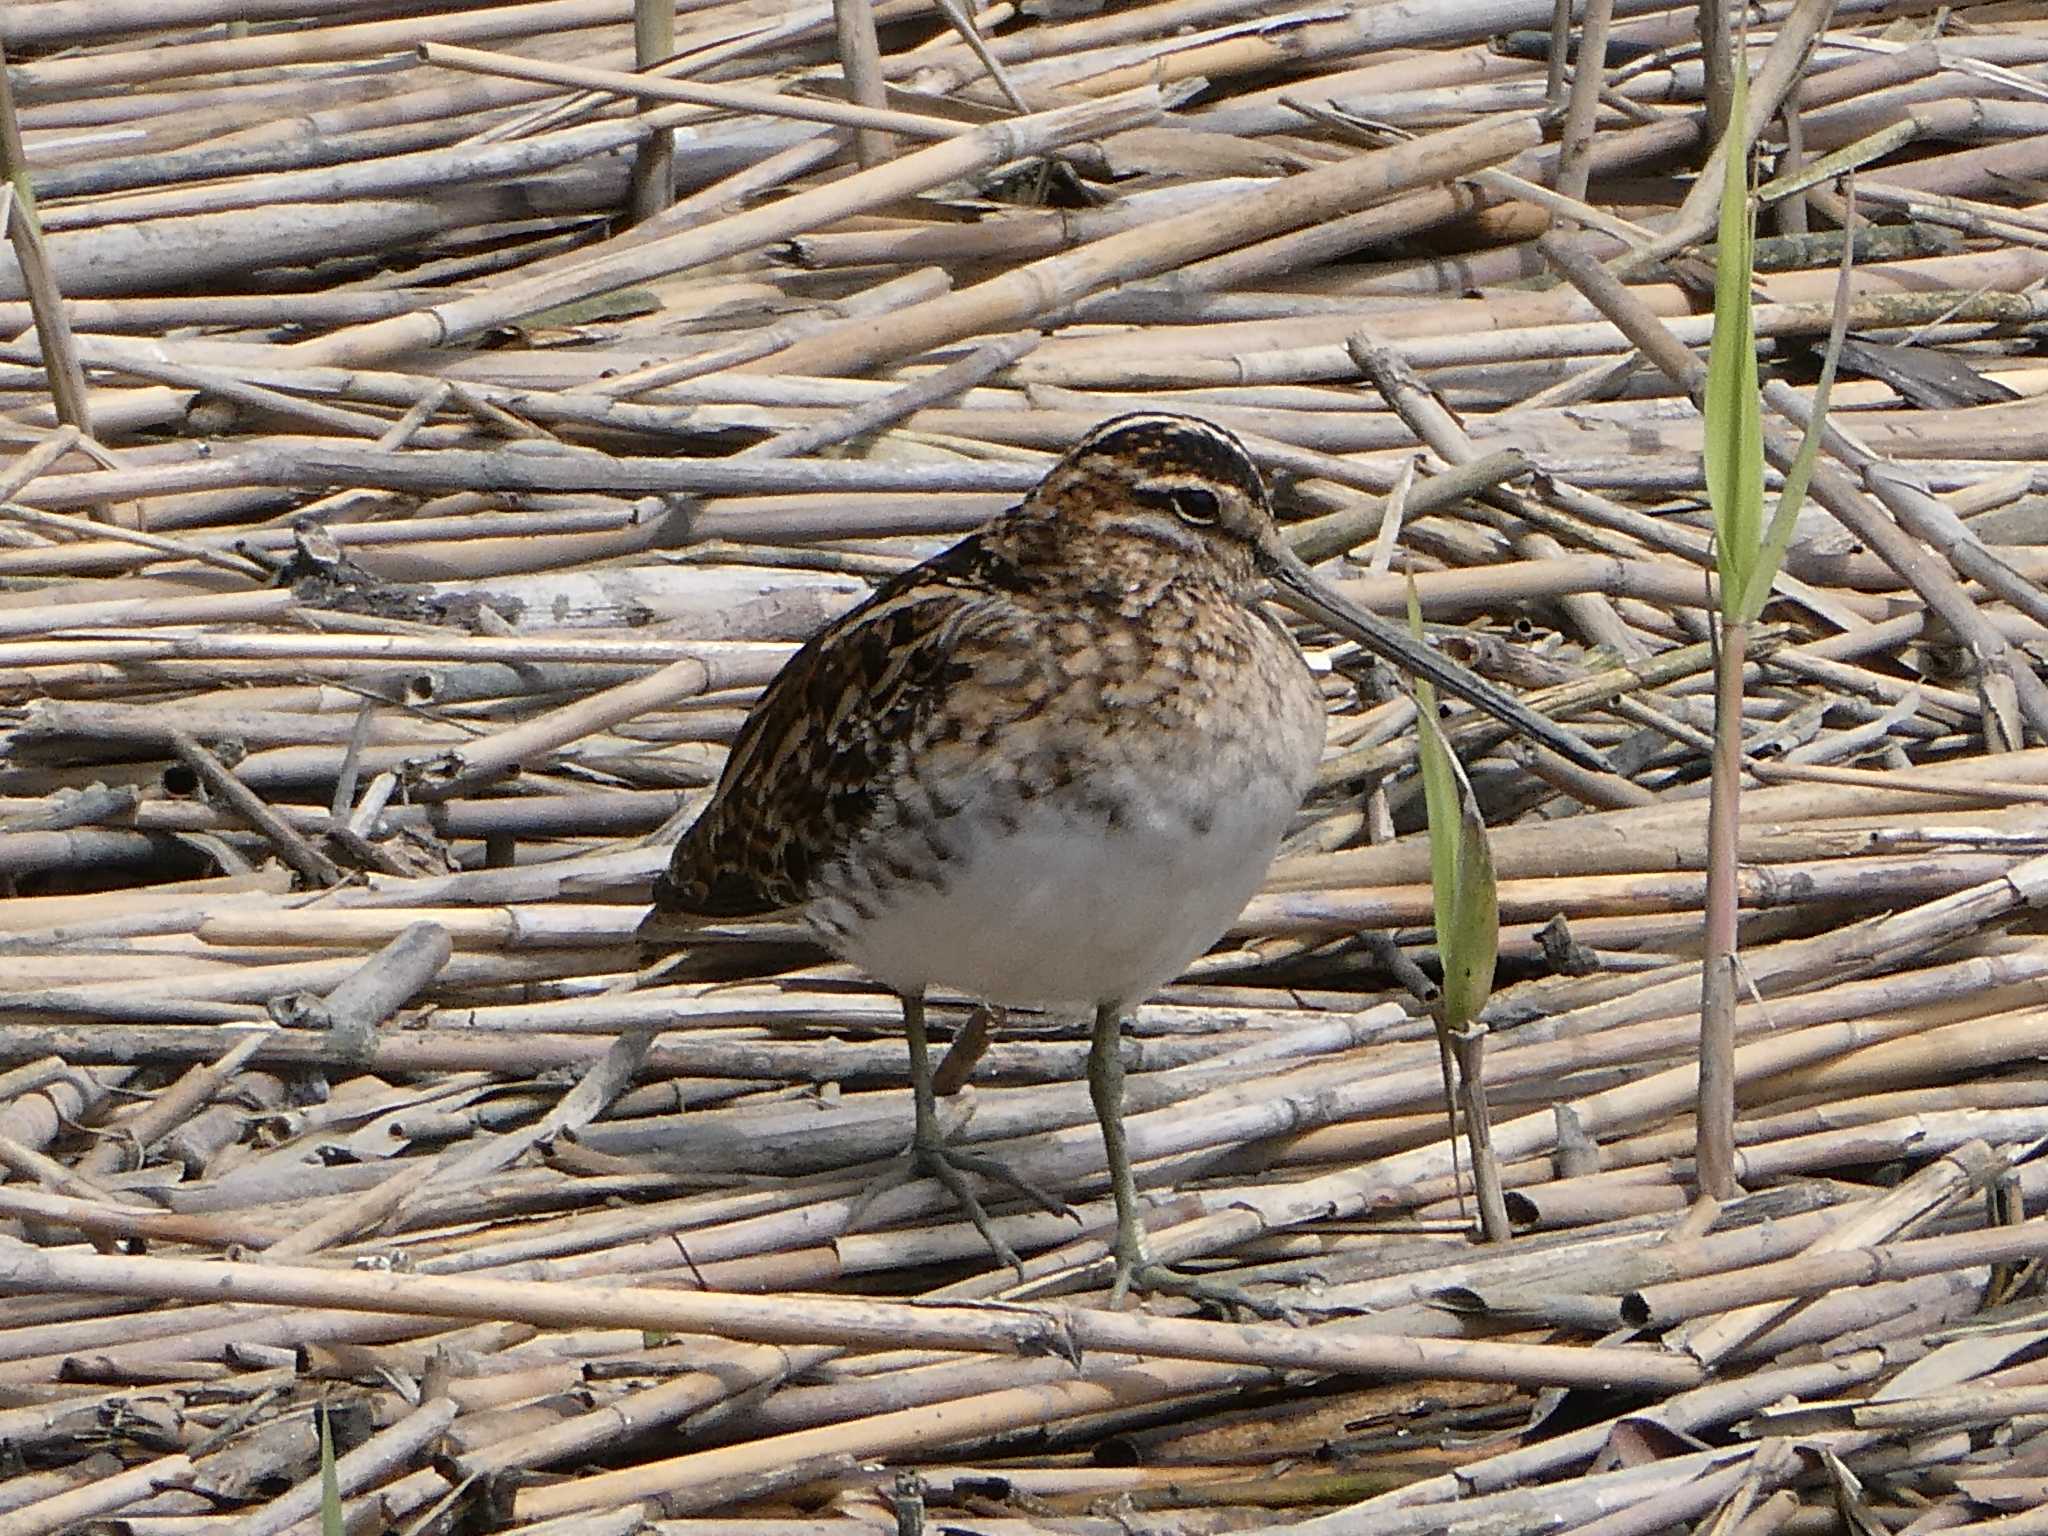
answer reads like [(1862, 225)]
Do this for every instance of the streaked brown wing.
[(816, 751)]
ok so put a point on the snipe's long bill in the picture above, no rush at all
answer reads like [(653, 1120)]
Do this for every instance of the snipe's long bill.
[(1295, 585)]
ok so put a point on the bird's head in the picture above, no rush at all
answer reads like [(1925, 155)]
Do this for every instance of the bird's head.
[(1170, 489), (1183, 497)]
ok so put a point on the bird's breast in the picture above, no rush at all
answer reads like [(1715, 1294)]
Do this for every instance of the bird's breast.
[(1086, 848)]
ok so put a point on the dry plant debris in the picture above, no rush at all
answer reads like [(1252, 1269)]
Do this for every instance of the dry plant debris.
[(397, 536)]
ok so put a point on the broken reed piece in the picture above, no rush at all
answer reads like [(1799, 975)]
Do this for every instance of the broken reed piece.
[(385, 983)]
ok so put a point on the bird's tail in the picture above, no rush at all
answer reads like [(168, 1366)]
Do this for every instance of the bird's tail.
[(666, 924)]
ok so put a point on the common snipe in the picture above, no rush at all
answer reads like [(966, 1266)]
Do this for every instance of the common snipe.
[(1050, 765)]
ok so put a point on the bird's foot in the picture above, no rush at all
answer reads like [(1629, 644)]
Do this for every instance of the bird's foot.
[(1137, 1270), (950, 1165)]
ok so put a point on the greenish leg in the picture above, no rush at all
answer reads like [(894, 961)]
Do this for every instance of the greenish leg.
[(1134, 1263), (921, 1090), (1106, 1088), (949, 1165)]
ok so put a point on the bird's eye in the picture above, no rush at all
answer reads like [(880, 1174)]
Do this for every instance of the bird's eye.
[(1195, 504)]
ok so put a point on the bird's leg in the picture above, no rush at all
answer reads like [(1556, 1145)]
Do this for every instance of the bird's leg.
[(930, 1152), (1135, 1266), (948, 1164), (1106, 1088), (928, 1148)]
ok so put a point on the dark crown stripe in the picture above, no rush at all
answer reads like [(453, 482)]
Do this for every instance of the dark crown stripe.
[(1168, 443)]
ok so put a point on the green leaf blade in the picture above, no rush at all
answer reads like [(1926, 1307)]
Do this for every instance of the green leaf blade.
[(1799, 474), (330, 1485), (1463, 893), (1734, 416)]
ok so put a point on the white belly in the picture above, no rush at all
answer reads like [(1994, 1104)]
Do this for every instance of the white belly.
[(1066, 909)]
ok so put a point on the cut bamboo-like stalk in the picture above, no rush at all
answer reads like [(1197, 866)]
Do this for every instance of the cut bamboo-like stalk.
[(980, 149), (581, 488)]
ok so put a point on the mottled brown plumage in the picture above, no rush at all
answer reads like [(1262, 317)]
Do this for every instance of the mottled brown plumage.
[(1047, 766), (1034, 637)]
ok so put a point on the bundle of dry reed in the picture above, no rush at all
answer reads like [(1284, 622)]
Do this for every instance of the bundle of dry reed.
[(423, 435)]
